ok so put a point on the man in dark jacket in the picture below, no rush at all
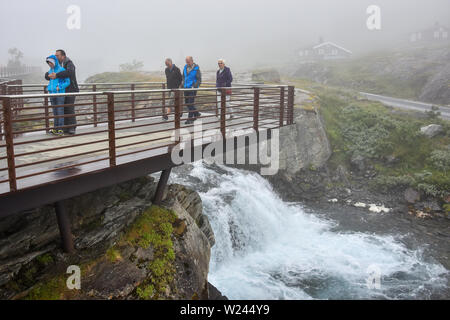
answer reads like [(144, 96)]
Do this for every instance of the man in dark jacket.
[(174, 79), (70, 72), (224, 80)]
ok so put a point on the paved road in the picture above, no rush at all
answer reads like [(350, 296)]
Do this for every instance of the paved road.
[(407, 104)]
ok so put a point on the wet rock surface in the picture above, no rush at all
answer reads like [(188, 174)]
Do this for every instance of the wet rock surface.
[(31, 262)]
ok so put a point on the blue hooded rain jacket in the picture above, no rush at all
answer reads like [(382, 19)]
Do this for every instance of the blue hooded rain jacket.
[(56, 84)]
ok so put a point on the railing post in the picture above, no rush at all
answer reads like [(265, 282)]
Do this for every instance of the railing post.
[(177, 104), (111, 130), (164, 99), (20, 92), (2, 92), (223, 112), (133, 105), (281, 106), (256, 109), (217, 103), (94, 100), (291, 93), (11, 92), (9, 144), (46, 113)]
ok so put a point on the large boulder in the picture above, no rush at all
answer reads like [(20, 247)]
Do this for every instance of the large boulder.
[(411, 195), (304, 144), (432, 130)]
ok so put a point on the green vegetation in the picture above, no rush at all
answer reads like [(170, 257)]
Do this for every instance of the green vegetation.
[(113, 255), (45, 259), (401, 73), (119, 77), (361, 76), (154, 228), (370, 130), (146, 292), (51, 290)]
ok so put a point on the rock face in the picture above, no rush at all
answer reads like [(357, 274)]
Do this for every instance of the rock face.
[(116, 234), (304, 144), (432, 130), (411, 195), (437, 89)]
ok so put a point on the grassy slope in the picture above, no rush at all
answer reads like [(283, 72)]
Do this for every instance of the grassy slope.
[(369, 129), (381, 73), (118, 77)]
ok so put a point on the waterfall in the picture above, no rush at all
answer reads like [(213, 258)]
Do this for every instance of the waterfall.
[(269, 249)]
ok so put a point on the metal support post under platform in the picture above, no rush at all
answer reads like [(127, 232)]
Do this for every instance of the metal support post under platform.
[(161, 186)]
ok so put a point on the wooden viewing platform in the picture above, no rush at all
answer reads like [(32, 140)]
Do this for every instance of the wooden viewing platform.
[(120, 136)]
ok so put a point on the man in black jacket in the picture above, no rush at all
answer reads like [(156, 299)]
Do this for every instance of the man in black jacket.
[(70, 72), (174, 79)]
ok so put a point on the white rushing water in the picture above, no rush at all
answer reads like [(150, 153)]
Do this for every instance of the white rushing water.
[(269, 249)]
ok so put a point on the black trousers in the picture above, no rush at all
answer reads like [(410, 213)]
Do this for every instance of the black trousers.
[(70, 110), (189, 98)]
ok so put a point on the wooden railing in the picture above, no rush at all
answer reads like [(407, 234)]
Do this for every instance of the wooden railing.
[(11, 72), (115, 126)]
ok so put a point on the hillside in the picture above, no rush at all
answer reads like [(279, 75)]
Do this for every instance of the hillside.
[(117, 77), (415, 73)]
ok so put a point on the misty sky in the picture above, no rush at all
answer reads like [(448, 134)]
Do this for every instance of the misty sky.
[(245, 32)]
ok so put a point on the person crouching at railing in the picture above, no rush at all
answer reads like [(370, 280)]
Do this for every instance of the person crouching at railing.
[(192, 78), (224, 80), (57, 86)]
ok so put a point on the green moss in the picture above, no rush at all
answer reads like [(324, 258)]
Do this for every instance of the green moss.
[(51, 290), (125, 196), (45, 259), (146, 292), (155, 228), (30, 273), (447, 208), (113, 255)]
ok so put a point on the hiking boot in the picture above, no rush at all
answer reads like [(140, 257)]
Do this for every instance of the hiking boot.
[(189, 122), (52, 131), (59, 133), (165, 117)]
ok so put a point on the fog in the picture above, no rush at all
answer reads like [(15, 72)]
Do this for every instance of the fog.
[(246, 33)]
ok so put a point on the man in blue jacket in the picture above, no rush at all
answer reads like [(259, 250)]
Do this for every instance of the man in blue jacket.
[(192, 78), (56, 86)]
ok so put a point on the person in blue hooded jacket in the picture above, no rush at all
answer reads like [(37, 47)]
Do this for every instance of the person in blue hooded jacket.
[(57, 85), (192, 78)]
